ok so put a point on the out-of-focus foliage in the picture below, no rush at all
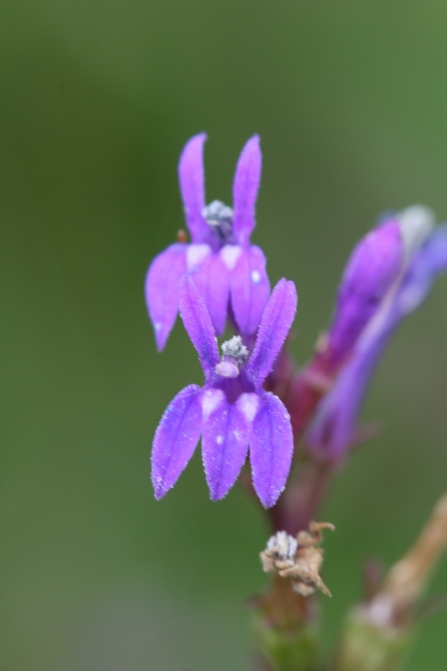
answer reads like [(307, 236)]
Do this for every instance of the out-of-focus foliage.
[(97, 100)]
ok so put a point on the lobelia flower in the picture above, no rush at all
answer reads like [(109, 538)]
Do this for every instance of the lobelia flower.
[(334, 428), (227, 268), (232, 412)]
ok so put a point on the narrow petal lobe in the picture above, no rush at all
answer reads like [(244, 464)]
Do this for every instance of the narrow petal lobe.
[(271, 447), (176, 438), (224, 445), (192, 187), (250, 289), (245, 190), (275, 325), (162, 290), (198, 324)]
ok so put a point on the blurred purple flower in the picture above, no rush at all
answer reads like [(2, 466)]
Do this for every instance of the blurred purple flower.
[(334, 429), (232, 411), (374, 265), (225, 265)]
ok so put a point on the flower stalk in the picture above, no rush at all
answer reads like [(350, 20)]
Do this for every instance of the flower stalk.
[(378, 633)]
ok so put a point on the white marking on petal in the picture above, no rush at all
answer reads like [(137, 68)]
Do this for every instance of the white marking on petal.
[(230, 254), (249, 404), (219, 440), (157, 326), (255, 277), (210, 400), (195, 255)]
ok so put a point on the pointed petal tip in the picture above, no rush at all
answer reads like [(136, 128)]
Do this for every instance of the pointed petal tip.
[(254, 141), (269, 497), (199, 138), (287, 285), (269, 500), (160, 339), (159, 494), (160, 489), (216, 495)]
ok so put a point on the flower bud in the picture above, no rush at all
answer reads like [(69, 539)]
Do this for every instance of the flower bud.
[(373, 268)]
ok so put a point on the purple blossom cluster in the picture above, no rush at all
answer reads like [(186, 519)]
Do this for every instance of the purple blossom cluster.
[(248, 406)]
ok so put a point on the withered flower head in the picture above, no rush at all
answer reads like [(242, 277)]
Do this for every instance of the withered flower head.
[(299, 559)]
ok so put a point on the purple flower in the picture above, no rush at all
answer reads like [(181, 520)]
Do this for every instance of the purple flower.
[(232, 412), (226, 268), (334, 428)]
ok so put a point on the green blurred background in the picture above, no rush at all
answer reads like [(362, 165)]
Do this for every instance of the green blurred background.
[(97, 100)]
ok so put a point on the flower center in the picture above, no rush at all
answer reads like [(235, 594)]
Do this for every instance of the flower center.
[(234, 357), (220, 219)]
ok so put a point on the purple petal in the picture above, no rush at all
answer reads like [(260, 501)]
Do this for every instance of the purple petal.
[(225, 438), (275, 324), (198, 324), (212, 280), (250, 289), (245, 189), (374, 266), (162, 290), (192, 187), (271, 448), (176, 438)]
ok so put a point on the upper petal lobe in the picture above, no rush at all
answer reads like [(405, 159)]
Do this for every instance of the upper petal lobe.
[(162, 290), (245, 189), (192, 187), (176, 438), (198, 324), (271, 448), (275, 325)]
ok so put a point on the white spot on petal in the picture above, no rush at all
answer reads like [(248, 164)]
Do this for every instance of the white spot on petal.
[(249, 404), (230, 254), (211, 399), (219, 440), (195, 255), (157, 326), (255, 277)]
